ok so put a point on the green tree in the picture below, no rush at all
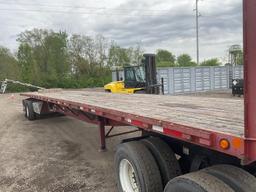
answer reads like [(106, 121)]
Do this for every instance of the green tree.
[(118, 56), (86, 54), (56, 59), (57, 55), (101, 48), (185, 60), (164, 58), (43, 57), (8, 65), (29, 70), (88, 58), (135, 54), (211, 62)]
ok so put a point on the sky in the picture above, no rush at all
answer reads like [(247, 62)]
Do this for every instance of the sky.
[(155, 24)]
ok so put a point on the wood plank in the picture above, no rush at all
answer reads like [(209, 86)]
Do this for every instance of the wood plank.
[(214, 114)]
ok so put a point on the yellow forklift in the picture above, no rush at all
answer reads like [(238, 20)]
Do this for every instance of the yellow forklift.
[(137, 79)]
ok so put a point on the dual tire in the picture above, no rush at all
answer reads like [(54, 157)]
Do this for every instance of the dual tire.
[(197, 182), (237, 178), (165, 158), (136, 169), (149, 165), (221, 178), (145, 165), (29, 111)]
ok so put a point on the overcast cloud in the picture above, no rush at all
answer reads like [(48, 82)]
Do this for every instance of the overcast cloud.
[(165, 24)]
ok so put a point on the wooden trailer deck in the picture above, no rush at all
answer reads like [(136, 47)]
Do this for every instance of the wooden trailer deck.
[(222, 115)]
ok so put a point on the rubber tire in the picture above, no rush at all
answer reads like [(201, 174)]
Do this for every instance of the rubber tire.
[(140, 92), (197, 182), (165, 158), (235, 177), (145, 167), (24, 107), (29, 107)]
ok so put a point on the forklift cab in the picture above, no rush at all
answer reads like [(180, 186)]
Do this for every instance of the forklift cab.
[(134, 77), (137, 79)]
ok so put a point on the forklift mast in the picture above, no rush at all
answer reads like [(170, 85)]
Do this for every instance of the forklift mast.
[(149, 63), (143, 76)]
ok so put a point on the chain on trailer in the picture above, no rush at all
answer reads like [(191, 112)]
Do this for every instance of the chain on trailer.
[(5, 82)]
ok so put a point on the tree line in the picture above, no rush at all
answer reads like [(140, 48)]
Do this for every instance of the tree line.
[(166, 58), (56, 59)]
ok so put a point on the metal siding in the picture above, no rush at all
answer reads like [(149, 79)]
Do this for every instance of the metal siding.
[(178, 87), (238, 72), (199, 83), (195, 79), (163, 73), (186, 80)]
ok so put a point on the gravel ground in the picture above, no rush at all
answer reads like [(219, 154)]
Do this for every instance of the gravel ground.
[(55, 154)]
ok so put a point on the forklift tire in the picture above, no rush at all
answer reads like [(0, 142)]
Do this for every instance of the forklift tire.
[(197, 182), (29, 112), (136, 168), (165, 158), (235, 177), (140, 92)]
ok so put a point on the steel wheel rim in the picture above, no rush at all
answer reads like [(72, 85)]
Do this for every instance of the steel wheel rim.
[(127, 177)]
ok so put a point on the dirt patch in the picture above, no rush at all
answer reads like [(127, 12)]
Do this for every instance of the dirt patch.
[(57, 154)]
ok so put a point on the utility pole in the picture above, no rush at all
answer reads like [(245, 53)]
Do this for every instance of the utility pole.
[(197, 33)]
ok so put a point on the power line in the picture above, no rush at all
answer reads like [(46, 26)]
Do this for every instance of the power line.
[(80, 12), (81, 7)]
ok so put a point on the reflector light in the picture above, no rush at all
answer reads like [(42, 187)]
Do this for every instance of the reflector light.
[(137, 123), (224, 144), (237, 143), (172, 132)]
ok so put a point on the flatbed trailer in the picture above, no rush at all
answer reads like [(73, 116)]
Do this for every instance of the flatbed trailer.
[(188, 144), (198, 120)]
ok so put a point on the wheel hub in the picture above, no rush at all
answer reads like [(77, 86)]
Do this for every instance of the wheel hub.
[(127, 177)]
